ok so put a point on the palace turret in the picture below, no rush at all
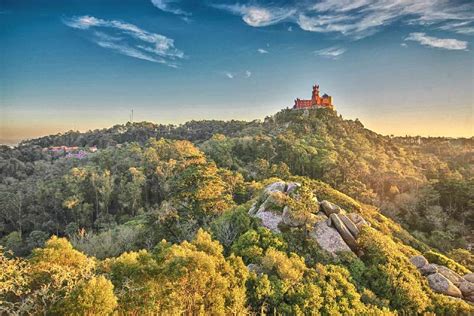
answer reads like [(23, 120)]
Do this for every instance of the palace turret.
[(324, 101)]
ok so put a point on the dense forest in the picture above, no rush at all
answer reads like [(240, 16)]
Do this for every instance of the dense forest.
[(154, 219)]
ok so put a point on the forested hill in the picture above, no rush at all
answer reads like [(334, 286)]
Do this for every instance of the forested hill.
[(296, 214), (423, 183)]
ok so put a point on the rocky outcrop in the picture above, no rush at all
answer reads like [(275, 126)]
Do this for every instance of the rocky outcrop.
[(344, 232), (292, 187), (419, 261), (469, 277), (467, 290), (329, 208), (440, 284), (328, 238), (270, 210), (279, 186), (358, 220), (334, 230), (444, 280), (351, 226), (449, 274), (270, 220), (428, 269)]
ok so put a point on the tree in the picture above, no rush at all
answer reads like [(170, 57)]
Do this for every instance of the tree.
[(91, 297), (131, 190)]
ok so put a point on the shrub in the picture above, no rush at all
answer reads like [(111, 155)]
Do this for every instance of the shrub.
[(463, 256), (434, 257), (389, 273)]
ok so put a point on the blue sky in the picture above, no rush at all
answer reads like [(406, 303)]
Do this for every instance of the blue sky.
[(401, 67)]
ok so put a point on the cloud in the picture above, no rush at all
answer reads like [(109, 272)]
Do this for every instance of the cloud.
[(262, 51), (331, 52), (290, 28), (403, 45), (128, 39), (229, 75), (466, 27), (257, 16), (445, 43), (248, 73), (358, 18), (169, 6)]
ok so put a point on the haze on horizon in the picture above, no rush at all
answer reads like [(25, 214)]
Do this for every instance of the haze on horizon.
[(401, 68)]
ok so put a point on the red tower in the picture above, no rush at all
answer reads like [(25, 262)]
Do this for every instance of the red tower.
[(316, 101)]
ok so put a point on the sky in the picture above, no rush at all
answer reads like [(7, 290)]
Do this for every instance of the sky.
[(401, 67)]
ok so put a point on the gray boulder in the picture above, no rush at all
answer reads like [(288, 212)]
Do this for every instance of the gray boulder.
[(329, 208), (428, 269), (469, 298), (440, 284), (292, 187), (467, 288), (278, 186), (419, 261), (449, 274), (469, 277), (328, 238), (252, 267), (344, 232), (270, 220), (358, 220), (350, 225)]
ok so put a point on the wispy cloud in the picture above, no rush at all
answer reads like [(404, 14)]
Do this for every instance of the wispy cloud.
[(445, 43), (248, 73), (257, 16), (331, 52), (128, 39), (262, 51), (359, 18), (169, 6), (229, 75), (466, 27)]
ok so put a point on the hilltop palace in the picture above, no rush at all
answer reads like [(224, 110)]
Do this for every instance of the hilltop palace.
[(316, 101)]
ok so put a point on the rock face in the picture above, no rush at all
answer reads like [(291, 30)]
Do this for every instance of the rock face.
[(469, 277), (429, 269), (357, 219), (270, 210), (444, 280), (328, 238), (333, 230), (292, 187), (329, 208), (442, 285), (270, 220), (344, 232), (350, 225), (419, 261), (279, 186), (449, 274), (467, 288)]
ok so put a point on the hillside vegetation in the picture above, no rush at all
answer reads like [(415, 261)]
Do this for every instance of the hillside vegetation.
[(186, 219)]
